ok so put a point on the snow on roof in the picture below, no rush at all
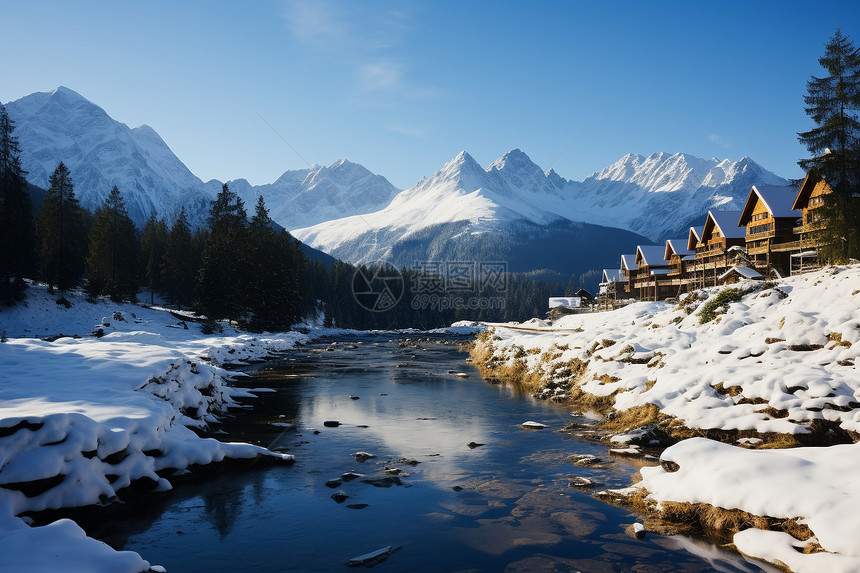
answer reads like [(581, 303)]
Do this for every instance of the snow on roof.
[(652, 255), (727, 223), (805, 255), (613, 276), (745, 272), (679, 247), (565, 301), (628, 262), (659, 272), (779, 201), (693, 237)]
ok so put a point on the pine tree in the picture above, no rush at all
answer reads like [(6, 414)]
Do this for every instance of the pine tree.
[(113, 251), (17, 241), (153, 243), (223, 276), (61, 226), (274, 298), (179, 268), (833, 102)]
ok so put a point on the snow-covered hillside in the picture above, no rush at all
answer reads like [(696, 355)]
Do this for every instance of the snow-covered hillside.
[(776, 364), (83, 417), (101, 152)]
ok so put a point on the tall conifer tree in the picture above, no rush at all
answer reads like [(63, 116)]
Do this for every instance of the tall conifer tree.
[(112, 259), (833, 103), (223, 277), (179, 268), (17, 242), (61, 225)]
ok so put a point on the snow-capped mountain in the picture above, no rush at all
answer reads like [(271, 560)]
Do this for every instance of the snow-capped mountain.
[(468, 210), (506, 212), (310, 196), (101, 152), (659, 195), (511, 209)]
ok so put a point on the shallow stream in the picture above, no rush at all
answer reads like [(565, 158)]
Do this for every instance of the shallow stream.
[(504, 505)]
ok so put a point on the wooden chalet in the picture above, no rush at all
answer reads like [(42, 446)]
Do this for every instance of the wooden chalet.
[(628, 269), (678, 256), (770, 219), (650, 281), (810, 198), (720, 243)]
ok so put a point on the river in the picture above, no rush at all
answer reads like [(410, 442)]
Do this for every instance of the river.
[(504, 505)]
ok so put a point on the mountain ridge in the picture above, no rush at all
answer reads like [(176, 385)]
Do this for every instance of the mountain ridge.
[(334, 207)]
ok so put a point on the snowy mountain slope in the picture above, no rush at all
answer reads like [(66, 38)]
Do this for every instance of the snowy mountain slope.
[(506, 212), (101, 152), (310, 196), (513, 196), (656, 195)]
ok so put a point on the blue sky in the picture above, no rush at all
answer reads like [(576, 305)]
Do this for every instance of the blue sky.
[(402, 87)]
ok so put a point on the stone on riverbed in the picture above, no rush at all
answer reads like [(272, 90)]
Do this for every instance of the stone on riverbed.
[(370, 559), (531, 425), (331, 423), (363, 456)]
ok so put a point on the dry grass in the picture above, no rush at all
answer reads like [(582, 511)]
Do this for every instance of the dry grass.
[(633, 418)]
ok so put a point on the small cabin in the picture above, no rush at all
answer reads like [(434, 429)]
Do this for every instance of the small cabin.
[(737, 273), (585, 296), (769, 219)]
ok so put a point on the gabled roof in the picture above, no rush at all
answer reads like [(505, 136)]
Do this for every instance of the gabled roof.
[(613, 276), (678, 247), (778, 201), (693, 237), (744, 272), (628, 263), (650, 255), (809, 183), (726, 222)]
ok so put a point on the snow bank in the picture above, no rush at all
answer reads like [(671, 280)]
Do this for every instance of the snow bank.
[(83, 417), (782, 359), (818, 486)]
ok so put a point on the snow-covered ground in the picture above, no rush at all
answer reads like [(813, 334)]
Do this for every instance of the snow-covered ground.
[(82, 418), (781, 359)]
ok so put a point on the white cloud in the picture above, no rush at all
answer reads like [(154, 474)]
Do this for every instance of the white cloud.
[(315, 22), (714, 138), (381, 75), (410, 130)]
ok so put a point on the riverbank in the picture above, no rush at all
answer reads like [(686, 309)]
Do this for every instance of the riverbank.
[(105, 403), (758, 366)]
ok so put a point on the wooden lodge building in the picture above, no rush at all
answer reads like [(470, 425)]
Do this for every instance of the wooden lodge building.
[(773, 236), (769, 219)]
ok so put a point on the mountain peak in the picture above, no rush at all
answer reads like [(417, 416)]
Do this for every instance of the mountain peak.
[(514, 160)]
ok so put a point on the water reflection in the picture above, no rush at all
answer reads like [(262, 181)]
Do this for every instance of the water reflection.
[(503, 506)]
